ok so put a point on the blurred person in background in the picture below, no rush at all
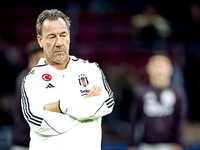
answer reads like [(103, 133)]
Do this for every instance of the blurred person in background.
[(151, 29), (8, 75), (158, 110), (194, 22), (21, 130)]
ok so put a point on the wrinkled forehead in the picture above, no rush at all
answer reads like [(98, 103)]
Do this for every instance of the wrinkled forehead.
[(54, 25)]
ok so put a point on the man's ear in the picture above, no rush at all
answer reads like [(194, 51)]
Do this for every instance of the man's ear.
[(171, 70), (147, 68), (39, 38)]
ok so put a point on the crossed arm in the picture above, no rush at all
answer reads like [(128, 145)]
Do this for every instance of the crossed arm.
[(54, 107)]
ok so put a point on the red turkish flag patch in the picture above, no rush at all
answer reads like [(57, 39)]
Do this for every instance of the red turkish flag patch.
[(46, 77)]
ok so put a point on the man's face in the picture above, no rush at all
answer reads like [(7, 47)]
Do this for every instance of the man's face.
[(55, 41), (159, 68)]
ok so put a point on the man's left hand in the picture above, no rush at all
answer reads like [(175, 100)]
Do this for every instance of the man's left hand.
[(53, 107)]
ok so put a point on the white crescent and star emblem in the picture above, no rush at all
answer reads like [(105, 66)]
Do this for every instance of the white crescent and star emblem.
[(46, 77)]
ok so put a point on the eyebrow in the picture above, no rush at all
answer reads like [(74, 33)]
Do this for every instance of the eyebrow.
[(53, 34), (64, 32)]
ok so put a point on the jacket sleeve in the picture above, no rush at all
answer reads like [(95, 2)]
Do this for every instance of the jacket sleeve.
[(135, 115), (93, 107), (180, 115), (42, 121)]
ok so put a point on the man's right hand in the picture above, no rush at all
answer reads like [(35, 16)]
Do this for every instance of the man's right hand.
[(94, 91)]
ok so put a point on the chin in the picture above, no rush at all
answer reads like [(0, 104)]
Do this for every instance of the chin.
[(61, 60)]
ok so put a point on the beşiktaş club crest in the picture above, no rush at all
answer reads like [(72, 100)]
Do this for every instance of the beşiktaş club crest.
[(83, 81)]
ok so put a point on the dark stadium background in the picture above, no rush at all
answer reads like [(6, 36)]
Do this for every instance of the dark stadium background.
[(101, 31)]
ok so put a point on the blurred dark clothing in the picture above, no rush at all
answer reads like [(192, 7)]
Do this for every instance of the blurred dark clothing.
[(194, 30), (21, 130), (192, 74), (5, 137), (7, 76), (194, 22), (162, 113)]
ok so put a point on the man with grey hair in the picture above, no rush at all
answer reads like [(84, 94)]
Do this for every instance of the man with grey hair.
[(63, 98)]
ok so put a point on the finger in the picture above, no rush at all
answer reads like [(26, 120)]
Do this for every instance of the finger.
[(91, 91), (98, 91), (95, 91), (46, 107)]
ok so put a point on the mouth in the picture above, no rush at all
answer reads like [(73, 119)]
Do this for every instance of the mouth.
[(59, 51)]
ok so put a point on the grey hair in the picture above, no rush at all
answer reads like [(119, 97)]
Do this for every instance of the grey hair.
[(52, 14)]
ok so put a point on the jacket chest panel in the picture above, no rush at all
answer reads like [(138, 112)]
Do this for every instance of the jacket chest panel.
[(69, 84)]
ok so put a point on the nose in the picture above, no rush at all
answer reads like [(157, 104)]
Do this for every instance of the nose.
[(58, 43)]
